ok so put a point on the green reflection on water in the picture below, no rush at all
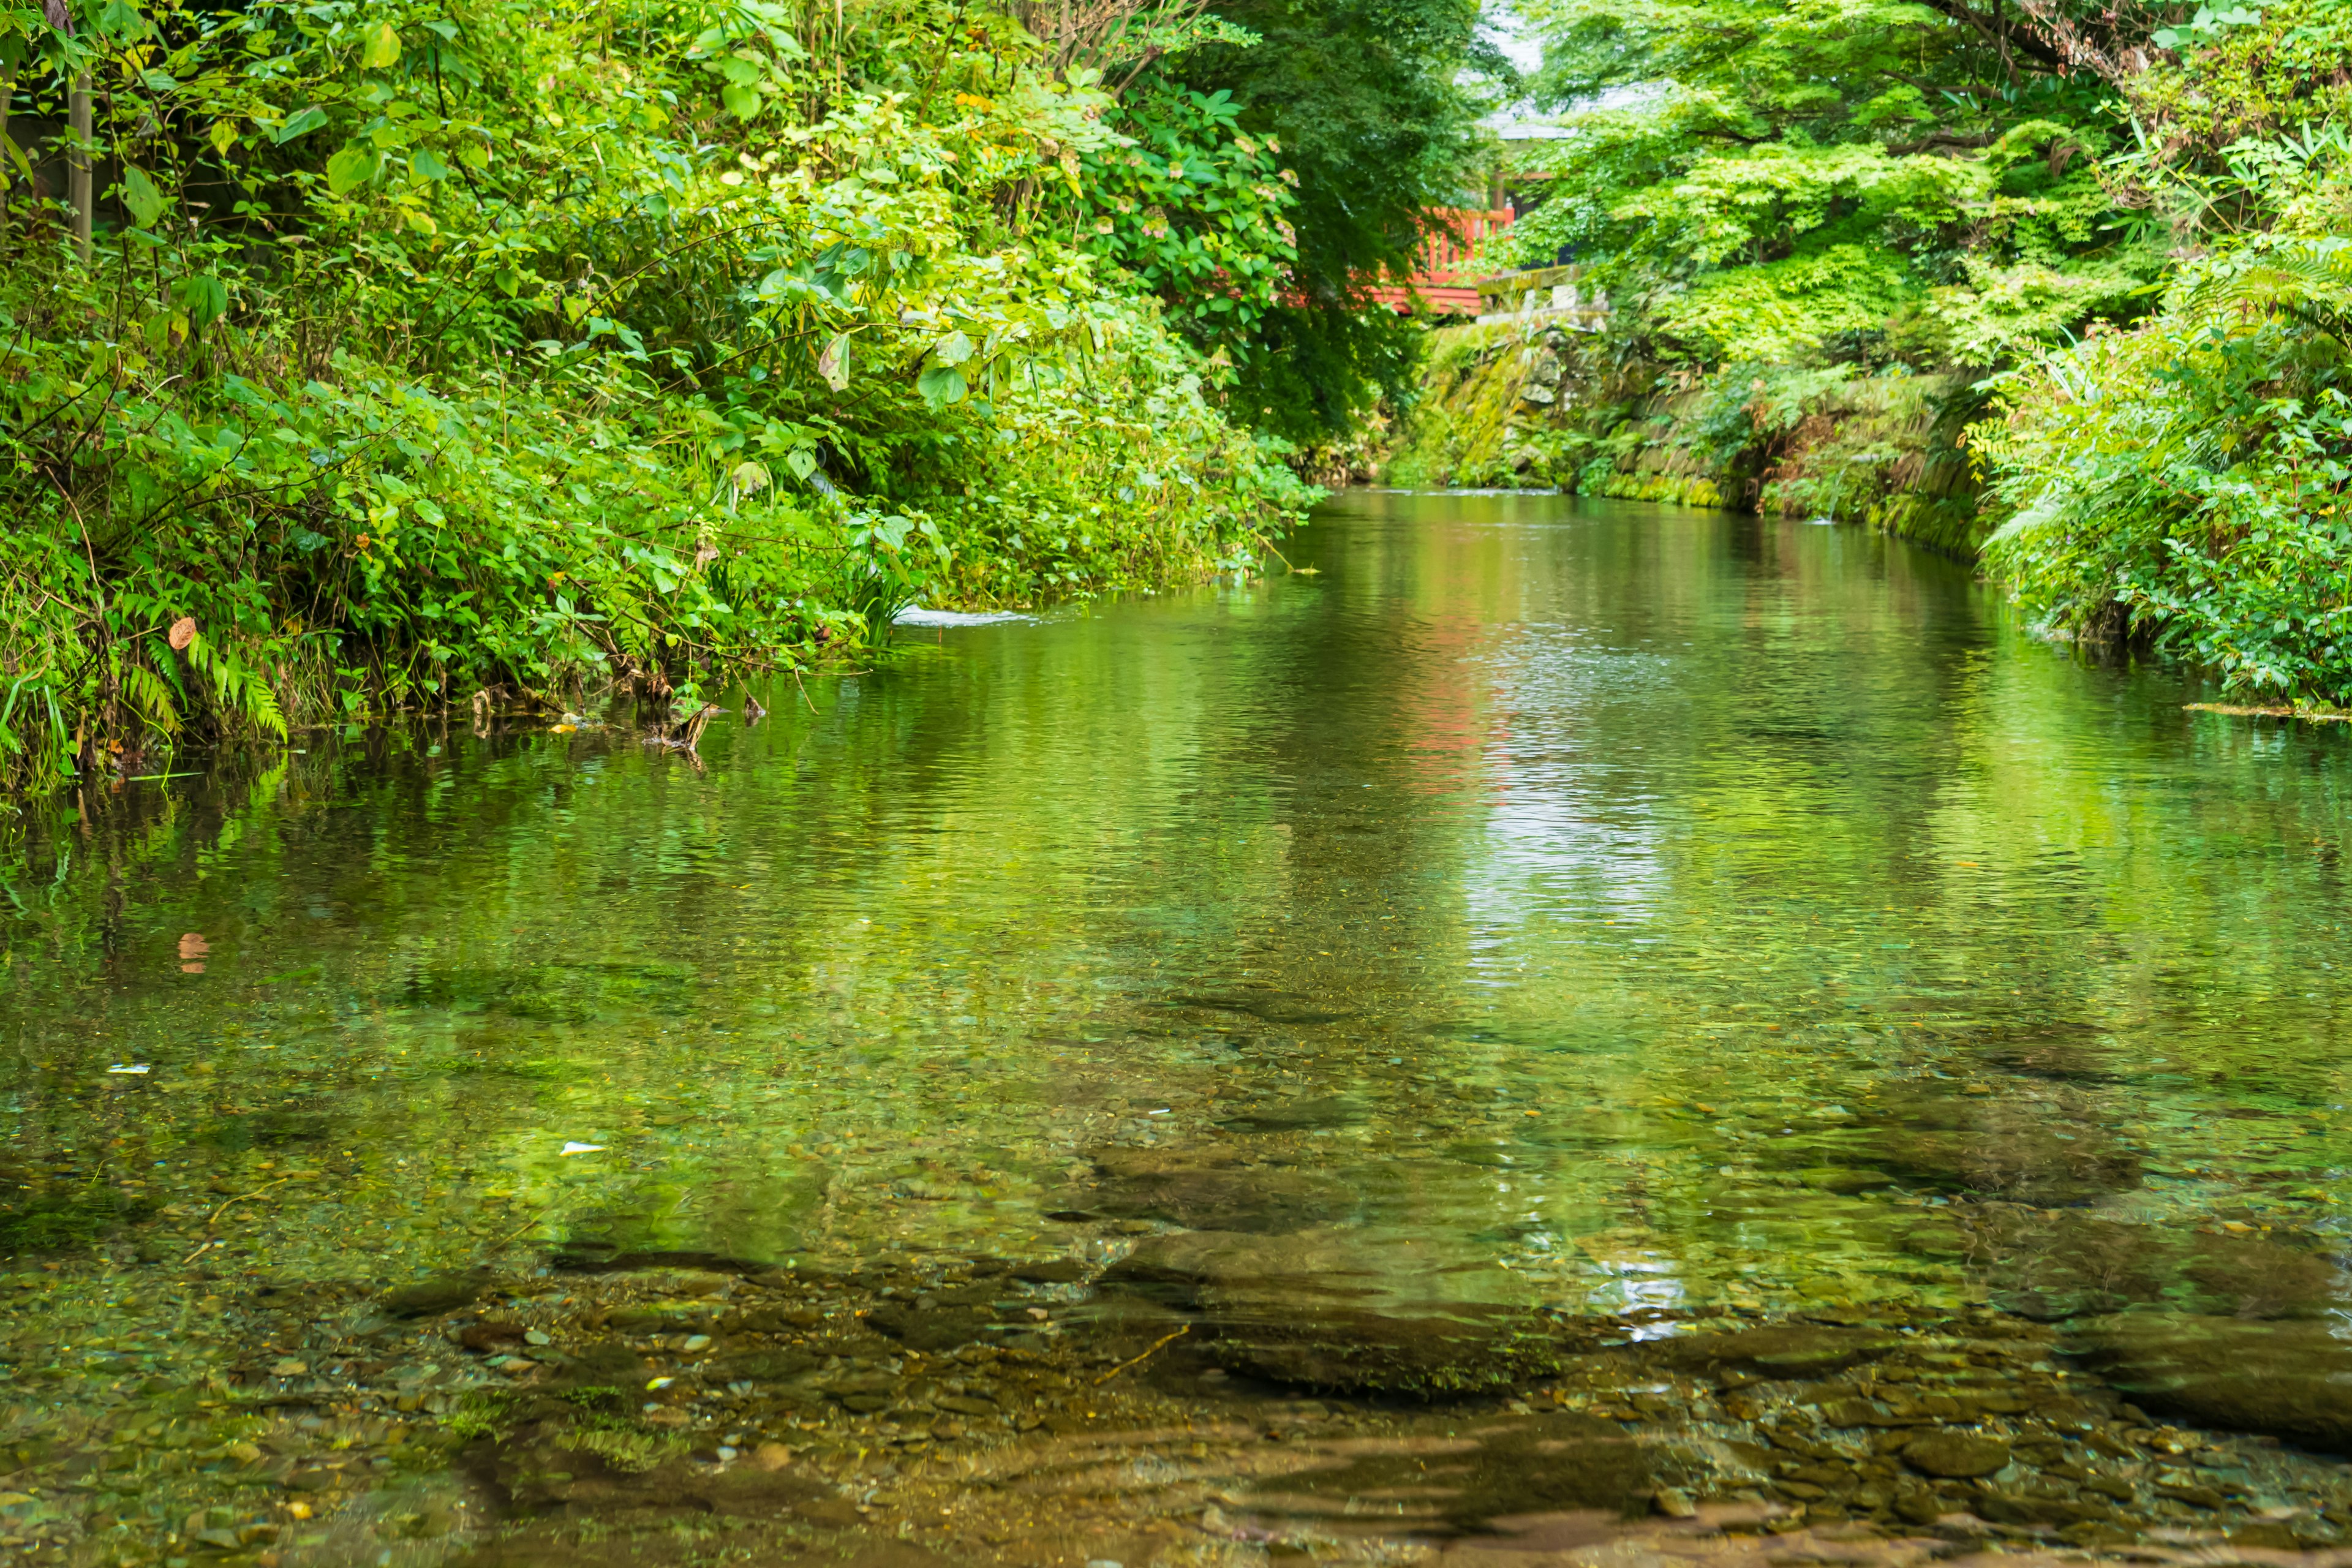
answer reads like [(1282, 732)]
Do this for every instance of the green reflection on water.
[(1631, 907)]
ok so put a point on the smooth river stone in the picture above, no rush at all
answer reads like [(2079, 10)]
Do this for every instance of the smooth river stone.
[(1324, 1310), (1785, 1349), (2052, 1269), (2024, 1150), (2291, 1380), (1214, 1192), (1956, 1455)]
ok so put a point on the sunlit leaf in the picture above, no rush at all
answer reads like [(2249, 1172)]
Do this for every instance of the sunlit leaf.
[(309, 120), (941, 386), (381, 47), (832, 364), (352, 167)]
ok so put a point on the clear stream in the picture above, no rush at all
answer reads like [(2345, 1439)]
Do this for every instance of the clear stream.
[(1543, 917)]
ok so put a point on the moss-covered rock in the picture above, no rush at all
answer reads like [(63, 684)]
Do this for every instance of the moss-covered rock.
[(1546, 405)]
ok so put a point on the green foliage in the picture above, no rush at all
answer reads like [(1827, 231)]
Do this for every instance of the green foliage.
[(2245, 131), (2186, 481), (1757, 180), (2190, 480), (1195, 209), (453, 349), (1367, 102)]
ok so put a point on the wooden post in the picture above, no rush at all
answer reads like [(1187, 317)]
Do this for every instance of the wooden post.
[(77, 167)]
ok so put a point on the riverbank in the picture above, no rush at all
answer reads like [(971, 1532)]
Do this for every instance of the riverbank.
[(1549, 404), (633, 353)]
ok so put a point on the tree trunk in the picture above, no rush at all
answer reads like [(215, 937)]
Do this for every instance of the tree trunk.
[(77, 165)]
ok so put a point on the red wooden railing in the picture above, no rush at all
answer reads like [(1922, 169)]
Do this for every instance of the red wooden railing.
[(1444, 283)]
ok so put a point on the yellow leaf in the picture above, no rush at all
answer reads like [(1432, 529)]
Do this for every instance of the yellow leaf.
[(224, 134), (382, 49)]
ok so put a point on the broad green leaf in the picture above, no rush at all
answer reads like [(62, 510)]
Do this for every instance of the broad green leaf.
[(382, 48), (954, 349), (223, 135), (139, 194), (352, 167), (205, 296), (941, 386), (802, 461), (425, 165), (740, 101), (309, 120), (15, 154)]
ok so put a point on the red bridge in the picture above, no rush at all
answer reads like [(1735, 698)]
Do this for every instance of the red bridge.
[(1444, 284)]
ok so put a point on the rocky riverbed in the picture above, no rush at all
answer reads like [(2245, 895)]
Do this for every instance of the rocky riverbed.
[(1171, 1397)]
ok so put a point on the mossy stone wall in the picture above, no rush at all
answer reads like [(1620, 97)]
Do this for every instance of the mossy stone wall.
[(1512, 404)]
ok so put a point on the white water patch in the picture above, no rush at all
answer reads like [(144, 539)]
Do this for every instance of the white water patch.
[(915, 616)]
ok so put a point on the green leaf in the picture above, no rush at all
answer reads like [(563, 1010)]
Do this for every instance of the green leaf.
[(205, 297), (740, 101), (381, 48), (352, 167), (954, 349), (15, 154), (139, 195), (426, 166), (308, 121), (802, 461), (941, 386)]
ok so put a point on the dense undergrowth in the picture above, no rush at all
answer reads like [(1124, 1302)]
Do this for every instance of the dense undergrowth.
[(2111, 236), (2187, 480), (425, 351)]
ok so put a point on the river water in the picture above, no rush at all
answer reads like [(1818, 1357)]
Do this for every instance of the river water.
[(1558, 1028)]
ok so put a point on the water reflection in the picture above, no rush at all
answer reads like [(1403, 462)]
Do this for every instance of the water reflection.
[(1557, 907)]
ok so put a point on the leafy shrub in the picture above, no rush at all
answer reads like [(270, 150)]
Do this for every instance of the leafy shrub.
[(437, 350), (2186, 480)]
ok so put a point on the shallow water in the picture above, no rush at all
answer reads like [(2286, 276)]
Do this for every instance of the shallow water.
[(1545, 934)]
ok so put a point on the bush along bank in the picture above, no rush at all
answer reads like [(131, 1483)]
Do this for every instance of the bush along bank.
[(2081, 265), (2186, 481), (415, 353), (1546, 404)]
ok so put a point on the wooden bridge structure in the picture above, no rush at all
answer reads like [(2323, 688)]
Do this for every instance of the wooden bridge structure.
[(1445, 282)]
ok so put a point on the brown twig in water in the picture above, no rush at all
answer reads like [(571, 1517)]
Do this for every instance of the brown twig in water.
[(254, 1194), (518, 1230), (239, 1198), (1157, 1346)]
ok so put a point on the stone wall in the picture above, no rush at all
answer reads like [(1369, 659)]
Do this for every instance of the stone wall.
[(1546, 400)]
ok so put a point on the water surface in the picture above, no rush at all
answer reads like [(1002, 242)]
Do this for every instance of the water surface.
[(1537, 910)]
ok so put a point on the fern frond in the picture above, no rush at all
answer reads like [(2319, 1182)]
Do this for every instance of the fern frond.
[(151, 696)]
